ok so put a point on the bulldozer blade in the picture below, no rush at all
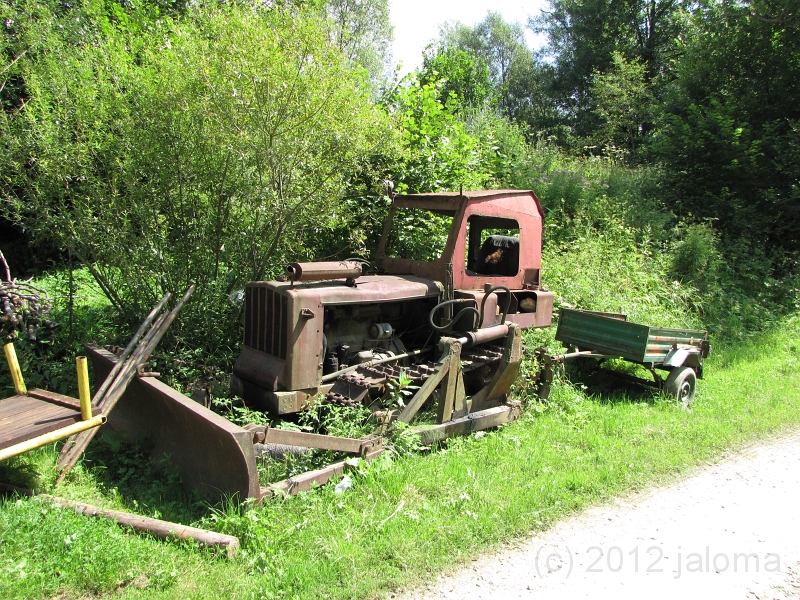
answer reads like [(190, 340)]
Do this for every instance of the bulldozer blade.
[(211, 454)]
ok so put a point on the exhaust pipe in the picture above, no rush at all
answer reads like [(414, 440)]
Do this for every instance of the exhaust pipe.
[(320, 271)]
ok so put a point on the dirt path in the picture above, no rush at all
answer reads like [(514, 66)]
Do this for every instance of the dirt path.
[(730, 531)]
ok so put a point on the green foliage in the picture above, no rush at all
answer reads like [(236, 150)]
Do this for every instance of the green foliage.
[(730, 140), (624, 104), (188, 155), (81, 555), (418, 234), (438, 153), (494, 42), (400, 390), (343, 421), (583, 38), (236, 411), (490, 61), (591, 192), (362, 31), (609, 270), (84, 316), (403, 441), (695, 257), (460, 73), (505, 150)]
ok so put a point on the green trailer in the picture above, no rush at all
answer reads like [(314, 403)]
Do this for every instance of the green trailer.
[(679, 352)]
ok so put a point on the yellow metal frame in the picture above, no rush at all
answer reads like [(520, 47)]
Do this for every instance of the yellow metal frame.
[(16, 372), (49, 438), (87, 420)]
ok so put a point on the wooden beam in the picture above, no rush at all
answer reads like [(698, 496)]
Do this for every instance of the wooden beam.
[(155, 527), (424, 392), (309, 479)]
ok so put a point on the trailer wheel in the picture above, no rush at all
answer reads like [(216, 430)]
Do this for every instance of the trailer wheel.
[(680, 385)]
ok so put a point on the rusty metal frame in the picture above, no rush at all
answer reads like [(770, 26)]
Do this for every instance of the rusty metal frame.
[(270, 435)]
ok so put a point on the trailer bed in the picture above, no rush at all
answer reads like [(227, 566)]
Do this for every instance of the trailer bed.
[(613, 335)]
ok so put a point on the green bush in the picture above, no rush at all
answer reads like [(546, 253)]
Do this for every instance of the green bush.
[(197, 150)]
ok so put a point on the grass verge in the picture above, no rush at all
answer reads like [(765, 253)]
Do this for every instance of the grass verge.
[(412, 517)]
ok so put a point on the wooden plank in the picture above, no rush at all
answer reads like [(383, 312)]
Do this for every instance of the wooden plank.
[(447, 396), (26, 417), (30, 405), (14, 405), (32, 414), (39, 419), (424, 392), (10, 438), (61, 400), (54, 398)]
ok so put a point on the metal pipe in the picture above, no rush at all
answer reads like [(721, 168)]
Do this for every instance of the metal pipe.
[(334, 375), (487, 334), (84, 394), (49, 438), (584, 353), (319, 271), (129, 348), (16, 372)]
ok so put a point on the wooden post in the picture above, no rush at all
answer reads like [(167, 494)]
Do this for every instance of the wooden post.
[(155, 527), (448, 396), (16, 372), (84, 394)]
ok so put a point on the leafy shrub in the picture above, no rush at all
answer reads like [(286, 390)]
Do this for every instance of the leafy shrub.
[(695, 258), (198, 150)]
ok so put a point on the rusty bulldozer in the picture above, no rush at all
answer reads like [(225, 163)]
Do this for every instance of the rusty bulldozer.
[(444, 313)]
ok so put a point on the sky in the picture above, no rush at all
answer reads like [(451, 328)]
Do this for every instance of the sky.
[(416, 22)]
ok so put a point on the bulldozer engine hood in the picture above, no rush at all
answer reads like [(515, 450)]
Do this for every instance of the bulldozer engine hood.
[(283, 332)]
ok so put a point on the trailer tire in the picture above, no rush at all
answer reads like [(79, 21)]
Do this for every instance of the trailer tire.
[(680, 385)]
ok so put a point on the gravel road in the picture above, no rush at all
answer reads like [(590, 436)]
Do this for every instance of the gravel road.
[(731, 530)]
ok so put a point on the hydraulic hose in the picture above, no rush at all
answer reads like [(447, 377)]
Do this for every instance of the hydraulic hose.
[(462, 312), (505, 308)]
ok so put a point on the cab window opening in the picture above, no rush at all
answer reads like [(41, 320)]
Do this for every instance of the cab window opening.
[(492, 246)]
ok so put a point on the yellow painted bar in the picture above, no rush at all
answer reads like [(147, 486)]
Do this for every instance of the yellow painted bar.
[(49, 438), (13, 366), (84, 394)]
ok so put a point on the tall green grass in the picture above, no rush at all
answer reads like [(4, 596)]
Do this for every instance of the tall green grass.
[(407, 518), (610, 246)]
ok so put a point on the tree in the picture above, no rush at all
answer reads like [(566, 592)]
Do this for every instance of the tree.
[(362, 30), (438, 153), (460, 73), (584, 36), (624, 105), (731, 138), (501, 47), (198, 152)]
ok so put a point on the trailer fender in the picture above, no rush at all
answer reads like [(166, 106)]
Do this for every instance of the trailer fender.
[(684, 357)]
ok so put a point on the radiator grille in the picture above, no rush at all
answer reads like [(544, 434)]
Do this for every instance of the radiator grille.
[(265, 321)]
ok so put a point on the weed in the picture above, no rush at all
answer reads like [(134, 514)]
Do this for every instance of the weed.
[(399, 390), (235, 410)]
